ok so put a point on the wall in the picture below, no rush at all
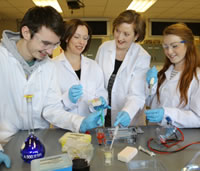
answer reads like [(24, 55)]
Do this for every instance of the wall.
[(155, 50), (12, 25), (6, 24)]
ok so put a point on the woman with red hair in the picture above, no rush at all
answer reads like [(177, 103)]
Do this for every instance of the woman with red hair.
[(178, 90)]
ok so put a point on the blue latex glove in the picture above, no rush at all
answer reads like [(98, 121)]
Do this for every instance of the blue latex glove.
[(123, 119), (103, 105), (5, 159), (152, 73), (92, 121), (75, 92), (155, 115)]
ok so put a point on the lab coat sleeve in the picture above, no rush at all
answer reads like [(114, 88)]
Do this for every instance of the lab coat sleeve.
[(54, 111), (136, 96), (189, 118), (8, 117), (182, 118), (68, 105)]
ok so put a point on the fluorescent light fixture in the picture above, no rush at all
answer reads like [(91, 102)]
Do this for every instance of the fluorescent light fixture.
[(141, 5), (53, 3)]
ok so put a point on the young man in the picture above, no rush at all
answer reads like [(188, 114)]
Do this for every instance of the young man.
[(25, 69)]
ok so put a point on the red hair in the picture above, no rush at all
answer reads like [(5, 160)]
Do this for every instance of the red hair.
[(192, 61)]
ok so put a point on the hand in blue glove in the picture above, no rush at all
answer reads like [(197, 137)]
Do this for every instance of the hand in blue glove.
[(123, 119), (5, 159), (152, 73), (155, 115), (92, 121), (75, 93), (103, 105)]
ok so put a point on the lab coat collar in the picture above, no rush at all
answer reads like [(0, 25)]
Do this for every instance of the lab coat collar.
[(68, 66), (84, 68), (131, 53), (66, 63), (112, 46), (112, 53)]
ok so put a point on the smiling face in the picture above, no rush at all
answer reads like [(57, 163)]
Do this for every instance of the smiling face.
[(78, 41), (124, 35), (175, 49), (41, 44)]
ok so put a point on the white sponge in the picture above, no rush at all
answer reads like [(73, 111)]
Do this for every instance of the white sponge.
[(127, 154)]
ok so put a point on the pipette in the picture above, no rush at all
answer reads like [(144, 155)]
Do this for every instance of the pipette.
[(114, 135)]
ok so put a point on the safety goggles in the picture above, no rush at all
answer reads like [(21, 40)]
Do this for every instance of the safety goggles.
[(173, 46)]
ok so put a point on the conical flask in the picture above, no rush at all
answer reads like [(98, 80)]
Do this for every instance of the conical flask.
[(32, 148)]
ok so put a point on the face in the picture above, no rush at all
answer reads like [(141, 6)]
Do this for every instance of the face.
[(175, 49), (124, 35), (78, 42), (42, 43)]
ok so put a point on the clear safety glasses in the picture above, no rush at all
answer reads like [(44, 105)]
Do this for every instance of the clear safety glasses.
[(46, 44), (173, 46)]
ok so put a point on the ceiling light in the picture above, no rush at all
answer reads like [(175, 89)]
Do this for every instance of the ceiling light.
[(141, 5), (53, 3)]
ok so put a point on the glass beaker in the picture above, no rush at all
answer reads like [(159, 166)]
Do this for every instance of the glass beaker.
[(108, 153)]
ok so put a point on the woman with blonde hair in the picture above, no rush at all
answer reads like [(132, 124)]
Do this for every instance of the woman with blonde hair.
[(125, 63)]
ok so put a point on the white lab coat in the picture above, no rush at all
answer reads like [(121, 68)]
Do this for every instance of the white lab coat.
[(182, 116), (91, 79), (128, 92), (47, 106)]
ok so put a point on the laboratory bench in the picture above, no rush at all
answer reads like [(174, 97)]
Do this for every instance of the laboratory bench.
[(49, 137)]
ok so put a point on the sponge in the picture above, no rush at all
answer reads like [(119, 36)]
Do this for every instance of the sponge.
[(127, 154)]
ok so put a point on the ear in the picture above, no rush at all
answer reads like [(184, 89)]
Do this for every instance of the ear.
[(26, 33)]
